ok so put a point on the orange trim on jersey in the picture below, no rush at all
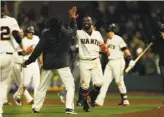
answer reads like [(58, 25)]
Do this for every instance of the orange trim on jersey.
[(105, 49)]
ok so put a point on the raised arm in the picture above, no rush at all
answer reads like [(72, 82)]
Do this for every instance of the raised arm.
[(73, 24)]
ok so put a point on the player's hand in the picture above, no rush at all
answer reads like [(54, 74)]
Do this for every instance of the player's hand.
[(73, 12), (132, 63), (28, 50)]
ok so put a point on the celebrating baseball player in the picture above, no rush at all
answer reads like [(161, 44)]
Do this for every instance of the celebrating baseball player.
[(54, 44), (89, 44), (158, 47), (32, 71), (115, 66), (8, 28)]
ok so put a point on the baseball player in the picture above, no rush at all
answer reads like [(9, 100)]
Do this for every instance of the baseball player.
[(115, 66), (31, 72), (89, 44), (157, 47), (17, 73), (54, 43), (8, 28)]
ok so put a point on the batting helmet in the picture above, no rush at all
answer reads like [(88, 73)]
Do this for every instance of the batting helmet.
[(30, 29), (162, 28), (111, 28)]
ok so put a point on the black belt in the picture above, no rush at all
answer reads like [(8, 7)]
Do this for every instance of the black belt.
[(6, 53), (89, 59), (11, 53), (20, 53)]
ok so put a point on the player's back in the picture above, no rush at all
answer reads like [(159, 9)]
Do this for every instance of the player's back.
[(7, 24)]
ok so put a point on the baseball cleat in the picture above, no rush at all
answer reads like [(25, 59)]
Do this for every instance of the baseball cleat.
[(17, 101), (124, 103), (98, 103), (70, 111), (34, 111), (92, 103), (79, 103)]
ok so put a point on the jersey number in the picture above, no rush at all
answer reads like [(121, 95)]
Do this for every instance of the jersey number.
[(5, 33)]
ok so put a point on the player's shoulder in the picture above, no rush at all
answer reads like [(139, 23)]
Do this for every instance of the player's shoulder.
[(10, 18), (117, 37), (80, 31), (96, 32), (36, 37)]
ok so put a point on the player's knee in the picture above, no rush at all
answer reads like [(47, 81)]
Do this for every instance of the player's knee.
[(85, 86)]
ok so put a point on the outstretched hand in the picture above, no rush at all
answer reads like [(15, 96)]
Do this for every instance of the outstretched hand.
[(73, 12)]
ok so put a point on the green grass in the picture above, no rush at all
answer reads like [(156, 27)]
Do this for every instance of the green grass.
[(59, 110)]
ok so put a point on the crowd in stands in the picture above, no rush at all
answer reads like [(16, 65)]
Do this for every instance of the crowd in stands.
[(128, 19)]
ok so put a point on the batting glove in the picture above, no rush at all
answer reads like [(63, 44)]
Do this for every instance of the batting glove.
[(132, 63)]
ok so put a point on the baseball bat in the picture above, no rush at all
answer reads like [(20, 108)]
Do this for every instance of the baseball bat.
[(129, 67)]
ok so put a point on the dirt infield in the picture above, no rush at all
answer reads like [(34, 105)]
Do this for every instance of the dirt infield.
[(157, 112), (107, 102)]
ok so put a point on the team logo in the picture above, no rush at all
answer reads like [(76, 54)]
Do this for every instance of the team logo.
[(89, 41)]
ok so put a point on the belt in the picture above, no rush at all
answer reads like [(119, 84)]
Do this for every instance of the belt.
[(11, 53), (20, 53), (90, 59)]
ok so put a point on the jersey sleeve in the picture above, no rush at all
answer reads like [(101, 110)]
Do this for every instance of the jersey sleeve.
[(100, 38), (14, 25), (122, 43)]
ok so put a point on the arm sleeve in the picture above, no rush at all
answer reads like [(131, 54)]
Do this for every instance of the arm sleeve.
[(14, 26), (73, 26), (38, 50)]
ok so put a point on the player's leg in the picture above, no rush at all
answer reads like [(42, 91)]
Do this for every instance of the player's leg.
[(39, 98), (107, 79), (68, 81), (36, 76), (76, 75), (27, 75), (10, 83), (3, 90), (162, 74), (6, 66), (118, 72), (85, 78), (97, 77), (18, 80)]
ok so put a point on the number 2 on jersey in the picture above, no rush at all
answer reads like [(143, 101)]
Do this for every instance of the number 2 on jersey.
[(5, 33)]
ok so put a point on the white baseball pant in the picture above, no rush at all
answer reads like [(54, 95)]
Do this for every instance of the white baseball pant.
[(90, 70), (3, 89), (6, 67), (47, 75), (31, 72), (113, 70)]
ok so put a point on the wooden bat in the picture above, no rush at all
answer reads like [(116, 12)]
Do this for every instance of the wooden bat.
[(129, 67)]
